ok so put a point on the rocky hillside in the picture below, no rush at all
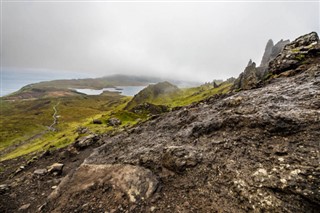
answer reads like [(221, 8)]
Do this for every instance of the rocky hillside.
[(247, 151), (290, 58)]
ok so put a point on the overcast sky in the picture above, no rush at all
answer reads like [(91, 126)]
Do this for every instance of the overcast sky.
[(186, 40)]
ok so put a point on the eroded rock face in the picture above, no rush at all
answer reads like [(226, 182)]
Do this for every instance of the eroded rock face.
[(297, 55)]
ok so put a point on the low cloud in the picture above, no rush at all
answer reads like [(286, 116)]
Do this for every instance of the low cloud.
[(188, 41)]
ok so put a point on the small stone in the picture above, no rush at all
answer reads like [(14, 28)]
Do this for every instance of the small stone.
[(41, 208), (152, 209), (56, 168), (86, 141), (97, 121), (260, 171), (24, 207), (4, 188), (40, 171), (282, 180), (53, 187), (295, 172), (114, 122)]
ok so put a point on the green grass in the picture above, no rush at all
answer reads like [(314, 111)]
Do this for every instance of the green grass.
[(190, 95), (129, 118), (179, 97), (22, 120)]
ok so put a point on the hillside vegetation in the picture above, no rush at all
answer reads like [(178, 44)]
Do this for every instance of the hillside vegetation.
[(25, 121)]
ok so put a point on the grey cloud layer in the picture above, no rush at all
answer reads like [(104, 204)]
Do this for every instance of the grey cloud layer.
[(194, 41)]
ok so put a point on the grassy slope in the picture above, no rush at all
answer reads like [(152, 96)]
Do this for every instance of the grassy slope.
[(29, 119), (185, 96), (23, 119)]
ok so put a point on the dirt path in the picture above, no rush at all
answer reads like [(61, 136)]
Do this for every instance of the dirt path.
[(55, 117), (36, 136)]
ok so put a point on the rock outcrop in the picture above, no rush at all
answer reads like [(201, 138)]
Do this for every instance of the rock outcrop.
[(272, 51), (248, 78), (150, 109), (267, 53), (297, 55), (286, 57)]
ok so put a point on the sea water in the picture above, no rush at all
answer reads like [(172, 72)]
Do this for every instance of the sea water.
[(123, 90), (13, 80)]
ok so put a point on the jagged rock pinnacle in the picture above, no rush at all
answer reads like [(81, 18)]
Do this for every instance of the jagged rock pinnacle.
[(267, 53)]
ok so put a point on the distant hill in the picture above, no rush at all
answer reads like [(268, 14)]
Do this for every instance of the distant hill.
[(150, 93), (108, 82), (65, 87)]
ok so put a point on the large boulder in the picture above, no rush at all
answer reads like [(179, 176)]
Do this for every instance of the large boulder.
[(110, 183), (86, 141)]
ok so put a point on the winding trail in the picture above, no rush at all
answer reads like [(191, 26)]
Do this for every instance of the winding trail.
[(34, 137), (55, 117)]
